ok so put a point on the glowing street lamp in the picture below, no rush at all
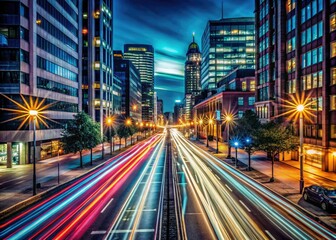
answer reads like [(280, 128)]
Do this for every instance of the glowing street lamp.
[(298, 107), (32, 109), (33, 114), (236, 144), (128, 123), (109, 123), (228, 119)]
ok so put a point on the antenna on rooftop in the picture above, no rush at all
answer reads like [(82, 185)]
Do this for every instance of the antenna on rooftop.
[(193, 36)]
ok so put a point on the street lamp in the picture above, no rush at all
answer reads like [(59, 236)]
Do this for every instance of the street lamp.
[(248, 141), (228, 120), (300, 109), (34, 114), (109, 122), (129, 123), (236, 144), (209, 124)]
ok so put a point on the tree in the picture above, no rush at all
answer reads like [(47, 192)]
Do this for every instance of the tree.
[(93, 137), (80, 134), (110, 134), (123, 132), (275, 138), (132, 130), (245, 130)]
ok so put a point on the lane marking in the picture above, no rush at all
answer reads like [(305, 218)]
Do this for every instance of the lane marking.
[(270, 235), (106, 205), (217, 177), (228, 187), (98, 232), (144, 210), (244, 205)]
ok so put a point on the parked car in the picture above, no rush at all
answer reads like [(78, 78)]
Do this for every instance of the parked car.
[(324, 196)]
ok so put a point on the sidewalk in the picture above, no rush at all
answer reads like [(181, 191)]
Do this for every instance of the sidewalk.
[(16, 182), (286, 174)]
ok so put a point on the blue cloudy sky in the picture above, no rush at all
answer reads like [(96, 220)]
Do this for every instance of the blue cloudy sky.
[(168, 26)]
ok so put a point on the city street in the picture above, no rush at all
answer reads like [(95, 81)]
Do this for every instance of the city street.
[(236, 205), (92, 205)]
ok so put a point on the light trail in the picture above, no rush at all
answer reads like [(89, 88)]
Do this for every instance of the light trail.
[(71, 211), (274, 209), (141, 189), (228, 220)]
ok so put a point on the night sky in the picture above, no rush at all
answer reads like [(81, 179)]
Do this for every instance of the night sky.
[(168, 26)]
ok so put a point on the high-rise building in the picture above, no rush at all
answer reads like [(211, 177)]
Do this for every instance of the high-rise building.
[(40, 54), (131, 88), (192, 77), (142, 56), (178, 112), (227, 44), (98, 59), (296, 56)]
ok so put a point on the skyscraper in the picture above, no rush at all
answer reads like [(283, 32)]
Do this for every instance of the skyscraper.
[(142, 56), (296, 53), (192, 85), (131, 88), (40, 54), (98, 58), (226, 44)]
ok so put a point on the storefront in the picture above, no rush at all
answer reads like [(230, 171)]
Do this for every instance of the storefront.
[(50, 149), (18, 153), (313, 157)]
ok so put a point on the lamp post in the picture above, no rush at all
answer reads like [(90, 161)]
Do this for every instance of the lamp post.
[(209, 124), (129, 123), (109, 122), (236, 147), (228, 119), (248, 141), (200, 127), (300, 108), (33, 114)]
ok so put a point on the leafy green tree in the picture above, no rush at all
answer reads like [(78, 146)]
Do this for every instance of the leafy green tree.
[(110, 134), (80, 134), (245, 130), (93, 137), (123, 132), (274, 138)]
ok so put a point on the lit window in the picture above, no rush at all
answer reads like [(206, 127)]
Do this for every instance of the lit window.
[(252, 86), (240, 101), (244, 86), (333, 102), (333, 76), (333, 22), (333, 49)]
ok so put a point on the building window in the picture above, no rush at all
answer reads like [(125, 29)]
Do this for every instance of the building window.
[(240, 101), (251, 101), (333, 131), (332, 102), (290, 5), (244, 86), (333, 22), (291, 64), (240, 114), (333, 76), (333, 49), (252, 86)]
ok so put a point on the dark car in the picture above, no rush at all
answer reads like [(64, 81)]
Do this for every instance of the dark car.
[(324, 196)]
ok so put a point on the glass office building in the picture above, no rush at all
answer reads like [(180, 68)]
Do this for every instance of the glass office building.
[(142, 56), (98, 59), (226, 44), (40, 53)]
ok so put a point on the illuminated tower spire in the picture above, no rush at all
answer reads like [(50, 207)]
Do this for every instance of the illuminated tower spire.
[(193, 36)]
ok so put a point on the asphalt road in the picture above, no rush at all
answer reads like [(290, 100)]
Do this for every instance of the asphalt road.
[(236, 206), (122, 198)]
